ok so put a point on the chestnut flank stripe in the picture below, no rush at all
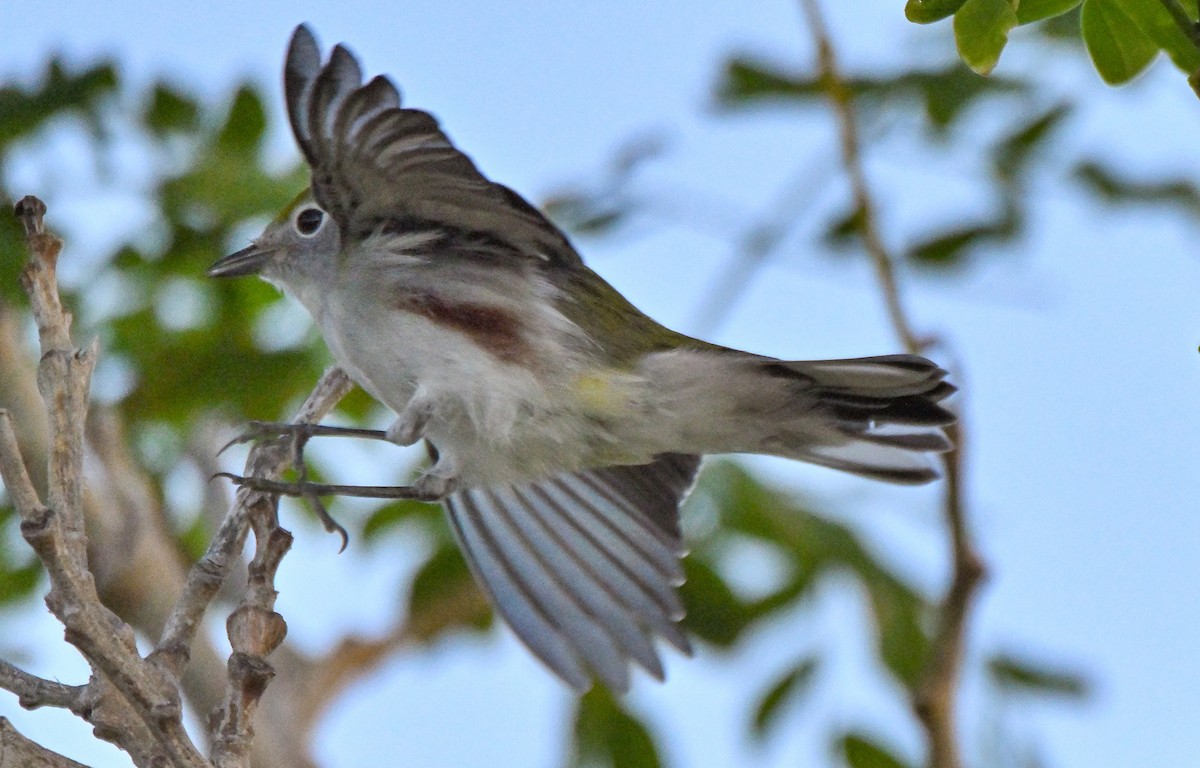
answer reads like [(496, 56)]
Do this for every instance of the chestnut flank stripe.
[(497, 331)]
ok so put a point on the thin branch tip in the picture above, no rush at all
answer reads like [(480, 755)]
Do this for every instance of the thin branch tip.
[(31, 211)]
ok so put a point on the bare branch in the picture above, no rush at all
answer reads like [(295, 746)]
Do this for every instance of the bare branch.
[(934, 696), (12, 470), (16, 751), (840, 99), (128, 700), (33, 691), (207, 575), (255, 629)]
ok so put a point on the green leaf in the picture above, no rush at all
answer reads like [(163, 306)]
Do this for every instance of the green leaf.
[(981, 30), (745, 80), (13, 253), (944, 93), (929, 11), (23, 111), (444, 596), (247, 122), (845, 230), (1156, 23), (860, 752), (607, 736), (715, 613), (898, 611), (1063, 29), (18, 583), (194, 539), (1116, 188), (817, 547), (1030, 11), (587, 213), (390, 515), (170, 110), (949, 248), (1012, 153), (791, 685), (947, 93), (1119, 49), (1023, 675)]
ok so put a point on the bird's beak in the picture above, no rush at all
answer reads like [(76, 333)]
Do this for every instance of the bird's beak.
[(248, 261)]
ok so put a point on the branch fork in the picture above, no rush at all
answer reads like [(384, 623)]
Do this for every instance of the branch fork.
[(131, 701)]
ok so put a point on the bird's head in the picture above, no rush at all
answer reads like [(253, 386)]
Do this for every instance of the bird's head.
[(300, 244)]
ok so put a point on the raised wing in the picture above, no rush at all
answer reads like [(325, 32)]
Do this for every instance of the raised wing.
[(584, 566), (375, 162)]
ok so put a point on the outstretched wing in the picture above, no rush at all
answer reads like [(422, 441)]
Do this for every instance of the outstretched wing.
[(584, 566), (375, 162)]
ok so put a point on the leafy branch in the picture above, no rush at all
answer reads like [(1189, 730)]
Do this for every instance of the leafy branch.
[(1122, 37)]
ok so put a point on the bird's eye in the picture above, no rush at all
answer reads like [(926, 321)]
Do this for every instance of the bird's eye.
[(309, 221)]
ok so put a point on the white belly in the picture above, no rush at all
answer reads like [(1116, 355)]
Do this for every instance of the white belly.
[(496, 421)]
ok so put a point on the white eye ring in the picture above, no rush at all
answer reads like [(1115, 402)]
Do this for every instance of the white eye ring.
[(308, 221)]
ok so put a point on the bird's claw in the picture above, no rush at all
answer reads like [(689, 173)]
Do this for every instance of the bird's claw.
[(259, 430), (303, 488), (300, 432)]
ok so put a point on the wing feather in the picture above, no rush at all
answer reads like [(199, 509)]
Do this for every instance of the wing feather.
[(374, 161), (528, 619), (579, 568)]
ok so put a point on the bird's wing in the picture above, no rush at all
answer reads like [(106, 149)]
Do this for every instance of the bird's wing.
[(584, 566), (375, 162)]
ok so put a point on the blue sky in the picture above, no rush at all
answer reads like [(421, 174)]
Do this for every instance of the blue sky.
[(1076, 349)]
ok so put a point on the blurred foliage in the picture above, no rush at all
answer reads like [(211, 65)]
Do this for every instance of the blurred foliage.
[(25, 112), (1020, 146), (941, 94), (1015, 674), (789, 687), (859, 751), (606, 735), (1117, 188), (943, 99), (209, 179)]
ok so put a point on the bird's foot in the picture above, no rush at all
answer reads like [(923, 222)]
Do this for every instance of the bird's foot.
[(303, 488), (299, 432)]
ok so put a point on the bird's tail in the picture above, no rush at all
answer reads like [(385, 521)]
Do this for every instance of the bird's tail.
[(880, 417)]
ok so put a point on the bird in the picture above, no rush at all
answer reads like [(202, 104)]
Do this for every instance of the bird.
[(566, 426)]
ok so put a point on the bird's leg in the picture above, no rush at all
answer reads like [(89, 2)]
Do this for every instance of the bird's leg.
[(409, 426), (313, 492), (440, 480), (309, 489), (434, 486)]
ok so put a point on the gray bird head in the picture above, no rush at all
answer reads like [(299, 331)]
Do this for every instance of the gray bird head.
[(297, 249)]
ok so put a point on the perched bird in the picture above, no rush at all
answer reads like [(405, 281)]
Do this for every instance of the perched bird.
[(567, 426)]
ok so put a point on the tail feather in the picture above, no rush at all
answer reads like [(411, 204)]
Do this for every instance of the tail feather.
[(880, 417), (885, 415), (892, 465)]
